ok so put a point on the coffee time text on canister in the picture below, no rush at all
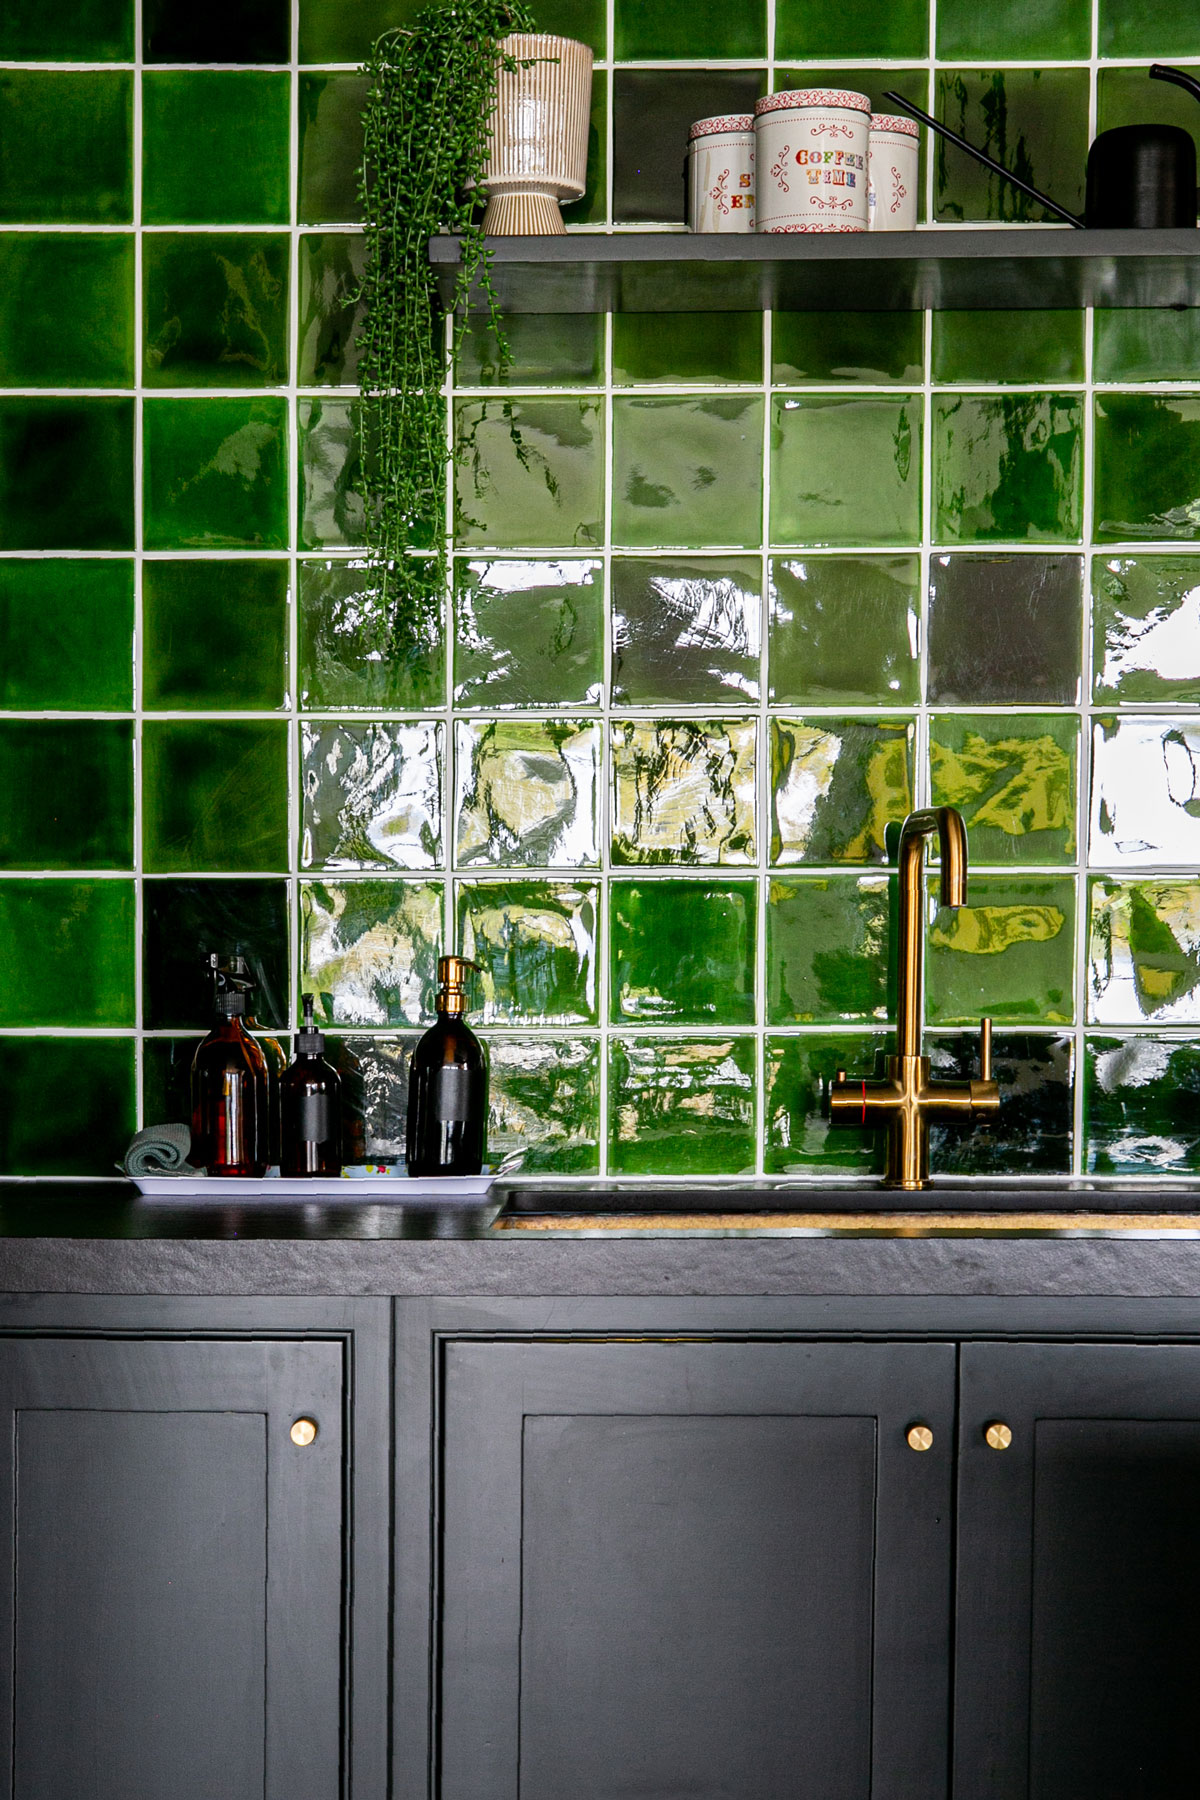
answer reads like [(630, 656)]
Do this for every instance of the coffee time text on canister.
[(811, 148)]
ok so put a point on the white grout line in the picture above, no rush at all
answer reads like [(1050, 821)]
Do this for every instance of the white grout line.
[(139, 632), (292, 980)]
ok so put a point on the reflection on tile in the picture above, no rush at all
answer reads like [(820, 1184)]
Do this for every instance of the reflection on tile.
[(184, 921), (695, 346), (836, 785), (374, 1075), (683, 952), (331, 502), (214, 795), (66, 474), (1146, 792), (1008, 953), (369, 950), (1146, 628), (1147, 461), (215, 147), (1007, 467), (983, 346), (166, 1079), (685, 630), (1142, 1107), (1013, 780), (846, 471), (66, 312), (549, 349), (216, 474), (535, 943), (653, 108), (66, 138), (330, 269), (687, 471), (1005, 629), (1144, 953), (545, 489), (331, 146), (1033, 121), (845, 629), (528, 792), (828, 949), (68, 953), (371, 795), (1034, 1132), (346, 635), (683, 791), (67, 630), (68, 1104), (846, 347), (544, 1105), (798, 1072), (66, 794), (215, 635), (681, 1106), (529, 633)]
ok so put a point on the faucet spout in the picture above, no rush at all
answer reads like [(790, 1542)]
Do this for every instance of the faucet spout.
[(952, 849)]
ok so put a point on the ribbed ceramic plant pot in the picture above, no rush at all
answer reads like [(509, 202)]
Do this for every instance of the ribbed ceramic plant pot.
[(539, 133)]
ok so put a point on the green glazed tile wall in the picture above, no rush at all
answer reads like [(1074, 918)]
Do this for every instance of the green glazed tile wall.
[(761, 585)]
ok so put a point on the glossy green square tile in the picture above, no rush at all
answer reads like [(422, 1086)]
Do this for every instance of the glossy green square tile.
[(215, 636), (1147, 472), (215, 309), (66, 794), (798, 1072), (656, 30), (369, 950), (66, 312), (1146, 628), (66, 474), (546, 349), (1033, 121), (828, 949), (529, 633), (687, 629), (548, 490), (185, 921), (544, 1105), (66, 146), (859, 28), (847, 347), (374, 1074), (331, 147), (1141, 1106), (1005, 629), (1002, 346), (69, 1104), (527, 793), (652, 111), (88, 31), (345, 629), (68, 952), (535, 943), (683, 952), (836, 786), (1152, 28), (371, 794), (214, 795), (592, 206), (215, 147), (1144, 952), (166, 1079), (1034, 1132), (1014, 780), (332, 511), (1144, 344), (1058, 30), (846, 471), (1007, 467), (683, 791), (681, 1106), (687, 471), (1145, 788), (1008, 953), (222, 31), (216, 474), (66, 635), (845, 630), (697, 346), (330, 270)]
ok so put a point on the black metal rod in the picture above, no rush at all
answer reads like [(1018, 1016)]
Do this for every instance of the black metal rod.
[(987, 161), (1163, 72)]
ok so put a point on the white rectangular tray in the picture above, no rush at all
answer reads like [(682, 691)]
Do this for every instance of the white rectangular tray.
[(394, 1190)]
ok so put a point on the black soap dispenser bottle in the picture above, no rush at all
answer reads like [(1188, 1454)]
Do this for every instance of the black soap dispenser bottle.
[(229, 1089), (447, 1085), (310, 1107)]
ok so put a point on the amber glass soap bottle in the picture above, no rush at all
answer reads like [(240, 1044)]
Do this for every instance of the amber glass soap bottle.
[(230, 1111), (447, 1085)]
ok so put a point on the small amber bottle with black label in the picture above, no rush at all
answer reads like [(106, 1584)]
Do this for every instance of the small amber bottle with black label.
[(447, 1086), (310, 1107)]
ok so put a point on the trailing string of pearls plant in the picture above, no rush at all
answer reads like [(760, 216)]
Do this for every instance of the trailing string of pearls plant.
[(432, 86)]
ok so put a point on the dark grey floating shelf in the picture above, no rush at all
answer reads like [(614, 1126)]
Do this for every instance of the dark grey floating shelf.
[(1013, 268)]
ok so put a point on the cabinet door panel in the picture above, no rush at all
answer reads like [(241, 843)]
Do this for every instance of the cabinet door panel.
[(701, 1569), (173, 1577), (1079, 1573)]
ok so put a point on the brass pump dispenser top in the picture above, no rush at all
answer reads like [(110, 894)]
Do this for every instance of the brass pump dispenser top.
[(452, 983)]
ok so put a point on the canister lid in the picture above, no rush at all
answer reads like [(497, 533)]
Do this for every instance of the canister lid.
[(722, 122), (823, 97), (895, 122)]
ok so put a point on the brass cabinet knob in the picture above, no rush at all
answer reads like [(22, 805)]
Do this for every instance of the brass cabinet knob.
[(919, 1437), (303, 1432), (997, 1435)]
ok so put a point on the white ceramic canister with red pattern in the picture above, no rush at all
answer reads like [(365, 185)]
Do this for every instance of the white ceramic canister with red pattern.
[(893, 169), (811, 160), (721, 173)]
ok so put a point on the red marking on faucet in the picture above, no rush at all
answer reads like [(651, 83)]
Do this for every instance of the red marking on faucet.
[(864, 1117)]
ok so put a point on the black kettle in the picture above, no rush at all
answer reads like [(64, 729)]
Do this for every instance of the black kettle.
[(1140, 176)]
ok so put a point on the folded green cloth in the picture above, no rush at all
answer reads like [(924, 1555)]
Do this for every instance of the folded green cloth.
[(160, 1150)]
